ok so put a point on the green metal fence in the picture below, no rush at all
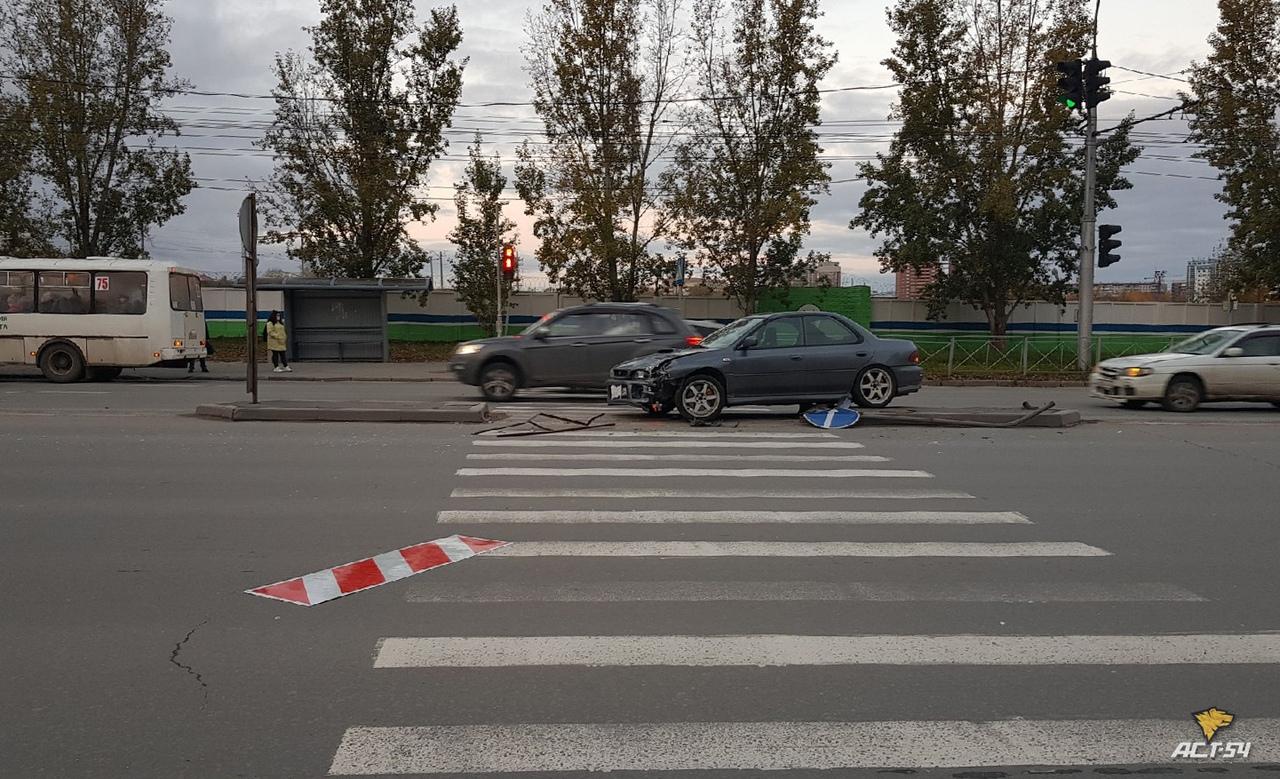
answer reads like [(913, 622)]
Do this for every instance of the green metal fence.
[(951, 355)]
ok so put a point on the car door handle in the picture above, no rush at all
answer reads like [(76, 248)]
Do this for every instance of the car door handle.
[(579, 343), (644, 340), (796, 358), (862, 354)]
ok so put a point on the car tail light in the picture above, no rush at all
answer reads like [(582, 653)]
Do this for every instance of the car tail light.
[(693, 340), (914, 359)]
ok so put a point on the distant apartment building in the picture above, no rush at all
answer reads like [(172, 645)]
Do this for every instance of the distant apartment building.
[(827, 273), (1200, 275), (1132, 290), (910, 283)]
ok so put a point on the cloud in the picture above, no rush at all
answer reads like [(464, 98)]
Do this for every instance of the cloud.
[(229, 46)]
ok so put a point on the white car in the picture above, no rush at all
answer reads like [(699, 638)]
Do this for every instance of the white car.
[(1226, 363)]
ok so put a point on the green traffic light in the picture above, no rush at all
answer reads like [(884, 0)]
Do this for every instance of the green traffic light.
[(1068, 102)]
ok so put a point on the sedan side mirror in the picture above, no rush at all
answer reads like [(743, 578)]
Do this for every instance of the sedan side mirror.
[(1234, 351), (748, 343), (540, 335)]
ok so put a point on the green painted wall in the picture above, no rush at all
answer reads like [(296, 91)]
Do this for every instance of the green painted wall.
[(853, 302)]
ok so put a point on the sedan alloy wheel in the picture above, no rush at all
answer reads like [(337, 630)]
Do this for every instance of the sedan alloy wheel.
[(701, 398), (876, 387)]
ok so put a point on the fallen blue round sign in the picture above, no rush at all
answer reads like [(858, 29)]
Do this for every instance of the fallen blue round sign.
[(833, 419)]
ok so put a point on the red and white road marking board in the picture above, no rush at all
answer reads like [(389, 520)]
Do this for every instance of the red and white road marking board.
[(332, 583)]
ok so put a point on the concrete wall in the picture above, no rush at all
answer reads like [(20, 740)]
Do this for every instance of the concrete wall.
[(444, 318)]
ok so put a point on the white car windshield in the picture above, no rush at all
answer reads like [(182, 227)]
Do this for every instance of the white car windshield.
[(1205, 343), (729, 334)]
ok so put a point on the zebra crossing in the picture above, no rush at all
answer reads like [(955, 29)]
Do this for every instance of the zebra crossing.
[(752, 503)]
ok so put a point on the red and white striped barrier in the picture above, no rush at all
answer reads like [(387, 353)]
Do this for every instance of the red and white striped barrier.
[(372, 572)]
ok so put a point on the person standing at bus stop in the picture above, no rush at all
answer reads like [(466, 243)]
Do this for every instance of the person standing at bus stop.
[(277, 342)]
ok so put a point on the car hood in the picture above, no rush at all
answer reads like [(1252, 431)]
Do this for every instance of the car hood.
[(650, 361), (506, 340), (1142, 360)]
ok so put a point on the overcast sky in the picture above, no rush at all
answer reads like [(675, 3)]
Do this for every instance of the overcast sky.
[(229, 45)]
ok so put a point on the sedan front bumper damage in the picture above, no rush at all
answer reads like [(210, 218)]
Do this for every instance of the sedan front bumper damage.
[(648, 391)]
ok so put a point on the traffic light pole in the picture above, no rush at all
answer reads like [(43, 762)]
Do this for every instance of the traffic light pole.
[(497, 306), (1088, 232)]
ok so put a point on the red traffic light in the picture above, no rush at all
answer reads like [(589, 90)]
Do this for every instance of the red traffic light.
[(509, 261)]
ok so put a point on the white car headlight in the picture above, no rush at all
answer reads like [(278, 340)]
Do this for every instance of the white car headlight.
[(465, 349), (1134, 373)]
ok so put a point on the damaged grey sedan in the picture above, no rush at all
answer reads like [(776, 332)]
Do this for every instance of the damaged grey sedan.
[(771, 359)]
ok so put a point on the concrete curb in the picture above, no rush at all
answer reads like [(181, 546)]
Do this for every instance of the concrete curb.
[(960, 417), (344, 412), (318, 379)]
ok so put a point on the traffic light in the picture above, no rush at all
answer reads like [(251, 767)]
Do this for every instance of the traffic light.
[(1094, 82), (509, 261), (1107, 244), (1071, 85)]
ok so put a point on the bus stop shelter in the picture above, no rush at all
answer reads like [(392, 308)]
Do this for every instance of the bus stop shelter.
[(342, 320)]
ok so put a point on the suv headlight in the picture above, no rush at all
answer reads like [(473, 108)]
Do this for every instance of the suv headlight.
[(1134, 373), (465, 349)]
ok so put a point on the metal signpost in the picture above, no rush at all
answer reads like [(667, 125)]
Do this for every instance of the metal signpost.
[(249, 242)]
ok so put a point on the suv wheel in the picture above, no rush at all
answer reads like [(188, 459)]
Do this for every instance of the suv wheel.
[(498, 382), (1183, 394), (701, 398), (875, 387)]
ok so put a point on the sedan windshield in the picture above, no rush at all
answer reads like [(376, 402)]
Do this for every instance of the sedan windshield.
[(729, 334), (1205, 343)]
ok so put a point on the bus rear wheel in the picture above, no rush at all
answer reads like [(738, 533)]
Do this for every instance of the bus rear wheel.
[(62, 363)]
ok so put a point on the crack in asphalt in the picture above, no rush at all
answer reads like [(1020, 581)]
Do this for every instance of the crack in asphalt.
[(173, 658), (1241, 455)]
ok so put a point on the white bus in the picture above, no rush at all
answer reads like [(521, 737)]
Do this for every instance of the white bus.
[(91, 318)]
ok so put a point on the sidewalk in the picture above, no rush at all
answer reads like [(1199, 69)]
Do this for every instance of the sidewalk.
[(429, 371), (304, 371)]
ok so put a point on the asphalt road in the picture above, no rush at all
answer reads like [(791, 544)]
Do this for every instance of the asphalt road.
[(1082, 592)]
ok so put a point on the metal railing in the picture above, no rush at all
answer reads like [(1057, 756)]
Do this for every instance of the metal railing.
[(950, 355)]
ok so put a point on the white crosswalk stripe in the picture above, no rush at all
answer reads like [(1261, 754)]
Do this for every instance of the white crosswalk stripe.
[(690, 473), (702, 493), (717, 487), (723, 437), (750, 650), (675, 458), (794, 549), (782, 591), (724, 444), (580, 748), (736, 517)]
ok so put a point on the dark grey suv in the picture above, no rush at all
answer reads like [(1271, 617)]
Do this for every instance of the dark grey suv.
[(572, 347)]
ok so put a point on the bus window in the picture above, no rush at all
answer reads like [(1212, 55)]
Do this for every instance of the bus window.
[(197, 301), (179, 292), (120, 292), (64, 292), (17, 292)]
